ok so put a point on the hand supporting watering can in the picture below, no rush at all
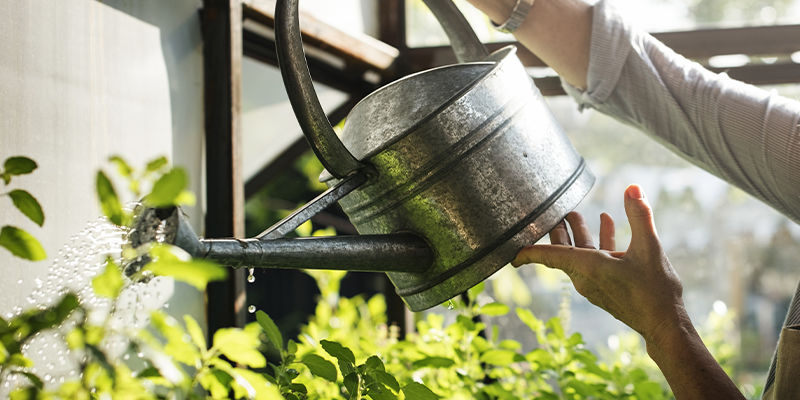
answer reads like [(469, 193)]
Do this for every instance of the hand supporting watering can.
[(607, 65)]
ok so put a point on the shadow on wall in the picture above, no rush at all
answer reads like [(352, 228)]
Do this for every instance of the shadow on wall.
[(178, 22)]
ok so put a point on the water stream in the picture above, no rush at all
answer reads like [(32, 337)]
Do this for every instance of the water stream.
[(77, 263)]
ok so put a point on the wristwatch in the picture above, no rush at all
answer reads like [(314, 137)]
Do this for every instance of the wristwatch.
[(518, 14)]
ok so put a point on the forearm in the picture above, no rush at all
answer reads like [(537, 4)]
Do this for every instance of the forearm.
[(690, 370), (557, 31), (743, 134)]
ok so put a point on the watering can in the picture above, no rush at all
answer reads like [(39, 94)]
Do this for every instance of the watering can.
[(446, 174)]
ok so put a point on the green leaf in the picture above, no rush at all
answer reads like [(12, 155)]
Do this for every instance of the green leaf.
[(335, 349), (352, 383), (418, 391), (194, 272), (494, 309), (509, 344), (109, 202), (18, 166), (529, 319), (17, 359), (374, 363), (216, 382), (35, 380), (379, 392), (500, 357), (195, 332), (239, 346), (28, 205), (555, 326), (27, 393), (3, 353), (123, 167), (386, 379), (156, 164), (434, 362), (109, 284), (167, 188), (320, 367), (343, 355), (252, 385), (474, 291), (269, 327), (304, 229), (21, 244)]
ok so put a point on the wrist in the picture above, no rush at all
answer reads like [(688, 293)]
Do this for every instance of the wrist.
[(670, 334)]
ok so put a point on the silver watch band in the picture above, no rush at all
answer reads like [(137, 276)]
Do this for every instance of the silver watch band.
[(518, 14)]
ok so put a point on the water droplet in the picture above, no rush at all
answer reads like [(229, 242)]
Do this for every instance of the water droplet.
[(250, 277), (450, 305), (251, 309)]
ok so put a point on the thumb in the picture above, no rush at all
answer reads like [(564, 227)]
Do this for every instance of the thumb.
[(566, 258), (640, 217)]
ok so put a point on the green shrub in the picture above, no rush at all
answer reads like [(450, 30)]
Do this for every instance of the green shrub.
[(346, 349)]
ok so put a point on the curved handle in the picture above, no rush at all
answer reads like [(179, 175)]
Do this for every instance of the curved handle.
[(330, 151), (463, 39)]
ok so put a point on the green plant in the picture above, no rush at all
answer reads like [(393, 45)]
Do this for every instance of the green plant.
[(19, 242), (346, 350)]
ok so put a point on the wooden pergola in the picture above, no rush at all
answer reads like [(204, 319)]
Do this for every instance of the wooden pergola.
[(356, 65)]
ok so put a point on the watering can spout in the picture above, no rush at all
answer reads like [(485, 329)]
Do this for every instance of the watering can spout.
[(399, 252)]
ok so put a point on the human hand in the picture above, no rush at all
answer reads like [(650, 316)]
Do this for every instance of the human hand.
[(638, 286)]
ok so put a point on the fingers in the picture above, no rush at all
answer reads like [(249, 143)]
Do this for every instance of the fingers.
[(567, 259), (607, 231), (580, 232), (640, 217), (560, 235)]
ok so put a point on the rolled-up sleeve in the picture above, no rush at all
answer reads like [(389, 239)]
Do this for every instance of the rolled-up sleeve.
[(743, 134)]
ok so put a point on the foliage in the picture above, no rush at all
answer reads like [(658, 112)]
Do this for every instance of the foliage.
[(346, 350), (18, 241)]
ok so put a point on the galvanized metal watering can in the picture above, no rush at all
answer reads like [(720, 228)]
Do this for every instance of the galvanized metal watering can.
[(446, 173)]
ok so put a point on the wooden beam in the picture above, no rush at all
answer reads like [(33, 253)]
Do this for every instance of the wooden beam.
[(261, 48), (756, 40), (392, 30), (357, 51), (422, 58), (222, 53), (696, 44), (392, 23), (764, 74)]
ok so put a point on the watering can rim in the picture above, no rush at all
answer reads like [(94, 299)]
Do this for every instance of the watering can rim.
[(495, 61)]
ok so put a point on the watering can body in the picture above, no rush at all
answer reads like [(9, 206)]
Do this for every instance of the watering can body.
[(446, 173), (467, 156)]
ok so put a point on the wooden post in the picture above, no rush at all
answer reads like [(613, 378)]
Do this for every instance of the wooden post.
[(392, 30), (222, 40)]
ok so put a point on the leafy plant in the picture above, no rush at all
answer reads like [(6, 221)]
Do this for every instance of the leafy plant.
[(346, 350), (19, 242)]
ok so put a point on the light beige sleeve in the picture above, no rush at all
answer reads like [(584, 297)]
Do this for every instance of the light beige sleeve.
[(743, 134)]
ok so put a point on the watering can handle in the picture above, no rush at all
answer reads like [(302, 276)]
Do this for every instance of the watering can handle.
[(330, 151), (463, 39)]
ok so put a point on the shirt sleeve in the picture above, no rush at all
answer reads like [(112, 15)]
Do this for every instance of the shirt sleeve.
[(743, 134)]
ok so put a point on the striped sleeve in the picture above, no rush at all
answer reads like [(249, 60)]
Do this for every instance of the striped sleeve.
[(743, 134)]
